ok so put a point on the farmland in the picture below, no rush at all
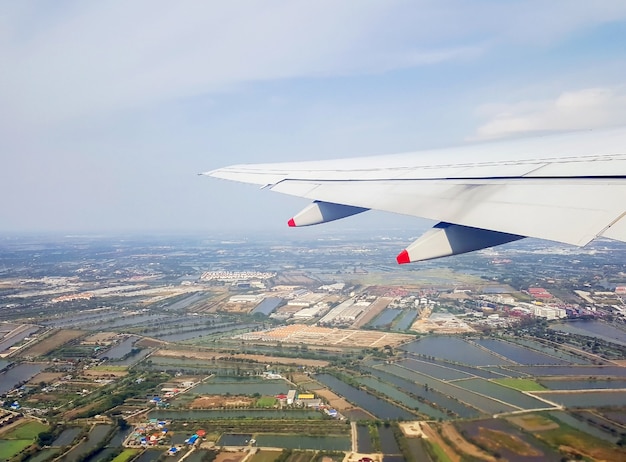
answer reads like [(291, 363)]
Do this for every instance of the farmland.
[(10, 448), (25, 431), (222, 392), (520, 384), (19, 437), (51, 342), (125, 455), (141, 354)]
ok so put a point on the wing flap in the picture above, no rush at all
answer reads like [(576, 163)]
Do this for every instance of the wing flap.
[(566, 210), (617, 230), (569, 188)]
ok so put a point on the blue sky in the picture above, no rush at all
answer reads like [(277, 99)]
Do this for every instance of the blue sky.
[(108, 110)]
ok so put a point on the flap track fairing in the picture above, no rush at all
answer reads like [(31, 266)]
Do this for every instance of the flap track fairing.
[(322, 212), (446, 239)]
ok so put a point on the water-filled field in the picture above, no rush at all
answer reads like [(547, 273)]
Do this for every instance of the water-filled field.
[(503, 371), (364, 441), (484, 403), (583, 384), (386, 317), (170, 414), (96, 436), (66, 436), (573, 371), (434, 370), (430, 395), (149, 455), (44, 455), (584, 426), (323, 443), (241, 387), (519, 354), (497, 435), (552, 350), (500, 392), (454, 349), (405, 321), (120, 350), (18, 374), (376, 406), (483, 372), (587, 398), (402, 397), (193, 333), (592, 328), (234, 439), (387, 441)]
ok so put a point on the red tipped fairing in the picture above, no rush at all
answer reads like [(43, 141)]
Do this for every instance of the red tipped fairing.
[(323, 212), (403, 257), (446, 239)]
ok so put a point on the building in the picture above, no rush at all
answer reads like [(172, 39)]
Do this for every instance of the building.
[(307, 313), (245, 299), (539, 292)]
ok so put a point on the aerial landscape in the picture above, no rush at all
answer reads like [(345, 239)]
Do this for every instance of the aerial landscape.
[(197, 348), (313, 231)]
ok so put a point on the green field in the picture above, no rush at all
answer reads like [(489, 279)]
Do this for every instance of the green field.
[(266, 401), (439, 453), (582, 443), (300, 456), (9, 448), (427, 277), (125, 455), (265, 456), (26, 431), (521, 384), (105, 368)]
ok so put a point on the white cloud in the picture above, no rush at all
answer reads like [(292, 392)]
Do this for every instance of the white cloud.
[(579, 109), (85, 58), (102, 56)]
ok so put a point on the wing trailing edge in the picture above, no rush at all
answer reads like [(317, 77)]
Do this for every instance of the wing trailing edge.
[(568, 188)]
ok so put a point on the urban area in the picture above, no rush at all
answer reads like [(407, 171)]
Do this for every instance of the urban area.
[(224, 348)]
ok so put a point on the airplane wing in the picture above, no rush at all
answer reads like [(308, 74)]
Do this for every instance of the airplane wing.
[(568, 188)]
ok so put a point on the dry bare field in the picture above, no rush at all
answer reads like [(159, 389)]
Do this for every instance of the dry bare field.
[(435, 437), (211, 355), (150, 343), (51, 342), (209, 402), (237, 308), (334, 400), (46, 377), (451, 434), (105, 373), (373, 310), (327, 336), (230, 456), (533, 422), (300, 379), (101, 337)]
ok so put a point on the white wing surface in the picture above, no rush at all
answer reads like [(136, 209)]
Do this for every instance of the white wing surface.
[(569, 188)]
